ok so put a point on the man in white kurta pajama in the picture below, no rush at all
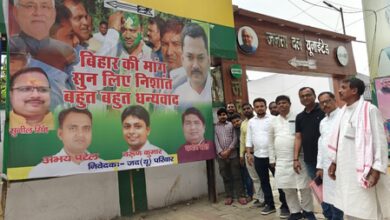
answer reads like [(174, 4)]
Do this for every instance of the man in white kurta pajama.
[(327, 102), (282, 136), (362, 192)]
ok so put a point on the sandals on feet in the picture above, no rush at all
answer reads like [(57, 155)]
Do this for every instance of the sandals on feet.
[(242, 201), (228, 201)]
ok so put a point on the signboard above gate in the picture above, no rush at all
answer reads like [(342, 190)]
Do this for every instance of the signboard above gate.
[(288, 47)]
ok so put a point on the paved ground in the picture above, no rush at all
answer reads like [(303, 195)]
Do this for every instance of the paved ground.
[(202, 209)]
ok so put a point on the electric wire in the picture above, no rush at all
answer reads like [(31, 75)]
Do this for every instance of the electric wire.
[(310, 15), (361, 11), (302, 12), (345, 6)]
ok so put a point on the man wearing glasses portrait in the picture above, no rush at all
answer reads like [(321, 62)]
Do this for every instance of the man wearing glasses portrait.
[(30, 99)]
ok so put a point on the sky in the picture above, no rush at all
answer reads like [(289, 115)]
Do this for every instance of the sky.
[(316, 14)]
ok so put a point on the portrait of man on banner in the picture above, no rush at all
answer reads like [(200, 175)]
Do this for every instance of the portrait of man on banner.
[(75, 132), (136, 129), (30, 102), (196, 146), (196, 62), (247, 40)]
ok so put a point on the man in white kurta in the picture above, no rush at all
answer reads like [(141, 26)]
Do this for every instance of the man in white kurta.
[(358, 202), (281, 139), (328, 105)]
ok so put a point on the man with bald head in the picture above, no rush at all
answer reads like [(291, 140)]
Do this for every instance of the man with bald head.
[(247, 40), (35, 18)]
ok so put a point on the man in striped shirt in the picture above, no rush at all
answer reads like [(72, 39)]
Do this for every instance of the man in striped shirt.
[(228, 161)]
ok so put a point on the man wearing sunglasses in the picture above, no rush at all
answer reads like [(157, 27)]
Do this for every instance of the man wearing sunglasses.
[(30, 99)]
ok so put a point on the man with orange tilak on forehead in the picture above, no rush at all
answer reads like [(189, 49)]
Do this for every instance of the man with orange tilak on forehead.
[(30, 99)]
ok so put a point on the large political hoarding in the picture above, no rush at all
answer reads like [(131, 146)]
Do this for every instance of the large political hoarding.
[(96, 86)]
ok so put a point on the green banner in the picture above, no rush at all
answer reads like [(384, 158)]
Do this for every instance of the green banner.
[(97, 87), (223, 42)]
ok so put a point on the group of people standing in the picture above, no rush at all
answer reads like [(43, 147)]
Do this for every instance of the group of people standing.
[(344, 148)]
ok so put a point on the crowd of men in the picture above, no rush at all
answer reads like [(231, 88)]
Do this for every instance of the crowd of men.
[(343, 150)]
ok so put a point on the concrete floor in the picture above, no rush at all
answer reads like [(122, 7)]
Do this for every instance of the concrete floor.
[(202, 209)]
